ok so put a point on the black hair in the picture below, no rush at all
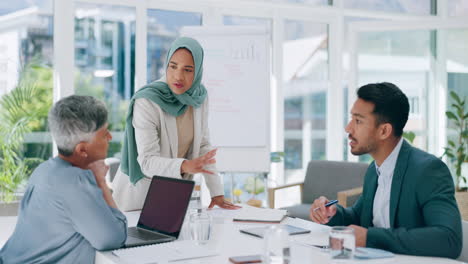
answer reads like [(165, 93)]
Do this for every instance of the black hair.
[(390, 104)]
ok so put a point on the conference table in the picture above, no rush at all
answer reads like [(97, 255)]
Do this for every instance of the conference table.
[(227, 241)]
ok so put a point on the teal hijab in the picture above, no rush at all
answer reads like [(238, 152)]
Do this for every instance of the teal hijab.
[(161, 94)]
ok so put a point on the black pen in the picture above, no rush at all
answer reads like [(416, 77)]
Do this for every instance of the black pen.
[(322, 247)]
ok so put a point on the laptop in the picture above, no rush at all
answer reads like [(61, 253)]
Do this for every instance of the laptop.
[(163, 212)]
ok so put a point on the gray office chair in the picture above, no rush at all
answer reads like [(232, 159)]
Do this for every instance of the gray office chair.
[(464, 254), (333, 179)]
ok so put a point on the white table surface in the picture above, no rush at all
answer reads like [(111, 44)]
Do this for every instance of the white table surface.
[(228, 241)]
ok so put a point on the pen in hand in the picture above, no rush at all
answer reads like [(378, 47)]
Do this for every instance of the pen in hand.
[(332, 202)]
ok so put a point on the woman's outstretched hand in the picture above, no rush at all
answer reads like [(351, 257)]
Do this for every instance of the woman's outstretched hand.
[(221, 202), (197, 165)]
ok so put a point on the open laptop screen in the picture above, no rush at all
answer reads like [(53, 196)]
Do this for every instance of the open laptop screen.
[(165, 205)]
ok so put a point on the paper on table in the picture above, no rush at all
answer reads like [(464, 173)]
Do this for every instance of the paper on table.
[(166, 252), (254, 214), (314, 227), (222, 213), (317, 237)]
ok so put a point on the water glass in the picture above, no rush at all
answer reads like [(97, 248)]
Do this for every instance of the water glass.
[(200, 227), (276, 245), (195, 205), (342, 242)]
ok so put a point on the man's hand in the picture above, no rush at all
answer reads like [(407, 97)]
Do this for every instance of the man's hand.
[(221, 202), (361, 235), (323, 214), (99, 169), (196, 165)]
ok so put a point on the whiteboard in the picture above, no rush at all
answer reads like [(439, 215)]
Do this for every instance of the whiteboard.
[(236, 73)]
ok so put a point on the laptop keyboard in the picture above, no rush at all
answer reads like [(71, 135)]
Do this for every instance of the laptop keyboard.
[(144, 235)]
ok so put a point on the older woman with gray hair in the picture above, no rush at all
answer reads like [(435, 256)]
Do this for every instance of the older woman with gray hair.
[(67, 212)]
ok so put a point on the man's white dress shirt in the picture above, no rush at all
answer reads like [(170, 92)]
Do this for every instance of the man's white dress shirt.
[(381, 210)]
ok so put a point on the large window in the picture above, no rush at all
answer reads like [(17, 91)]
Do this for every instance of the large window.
[(163, 28), (457, 7), (402, 58), (26, 86), (305, 85), (26, 48), (104, 60), (417, 7), (457, 80), (247, 21)]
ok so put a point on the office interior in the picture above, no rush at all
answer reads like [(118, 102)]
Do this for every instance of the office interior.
[(321, 52)]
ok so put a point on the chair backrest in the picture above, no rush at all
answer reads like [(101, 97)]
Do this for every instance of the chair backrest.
[(326, 178), (464, 254)]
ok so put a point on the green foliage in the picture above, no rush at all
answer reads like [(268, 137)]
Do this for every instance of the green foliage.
[(254, 185), (410, 136), (42, 78), (22, 111), (276, 156), (456, 150), (87, 84)]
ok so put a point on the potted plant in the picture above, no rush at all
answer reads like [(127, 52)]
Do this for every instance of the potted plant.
[(237, 193), (18, 115), (254, 186), (456, 151), (457, 148)]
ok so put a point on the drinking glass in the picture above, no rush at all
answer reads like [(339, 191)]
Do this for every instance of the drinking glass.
[(200, 227), (276, 245), (342, 242)]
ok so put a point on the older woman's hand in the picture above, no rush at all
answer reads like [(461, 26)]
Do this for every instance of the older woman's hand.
[(197, 165), (221, 202), (99, 169)]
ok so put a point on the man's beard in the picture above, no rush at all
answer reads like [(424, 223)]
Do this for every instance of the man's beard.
[(361, 150)]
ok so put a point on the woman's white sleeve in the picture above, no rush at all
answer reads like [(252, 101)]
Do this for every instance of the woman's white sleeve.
[(147, 125)]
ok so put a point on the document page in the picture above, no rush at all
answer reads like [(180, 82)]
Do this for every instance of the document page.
[(166, 252), (254, 214)]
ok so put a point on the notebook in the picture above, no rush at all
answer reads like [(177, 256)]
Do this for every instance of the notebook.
[(263, 215), (167, 252), (163, 212), (260, 231)]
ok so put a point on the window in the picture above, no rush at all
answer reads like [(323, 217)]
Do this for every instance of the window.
[(457, 7), (26, 49), (307, 2), (104, 61), (305, 85), (457, 78), (247, 21), (416, 7), (163, 28), (414, 105), (402, 58)]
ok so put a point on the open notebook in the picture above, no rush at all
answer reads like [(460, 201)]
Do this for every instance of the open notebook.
[(166, 252)]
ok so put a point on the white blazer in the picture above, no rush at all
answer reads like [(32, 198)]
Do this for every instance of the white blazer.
[(157, 144)]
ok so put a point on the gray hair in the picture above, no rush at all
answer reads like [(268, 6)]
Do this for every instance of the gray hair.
[(75, 119)]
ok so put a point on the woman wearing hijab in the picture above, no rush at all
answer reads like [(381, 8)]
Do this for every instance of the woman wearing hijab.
[(167, 131)]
